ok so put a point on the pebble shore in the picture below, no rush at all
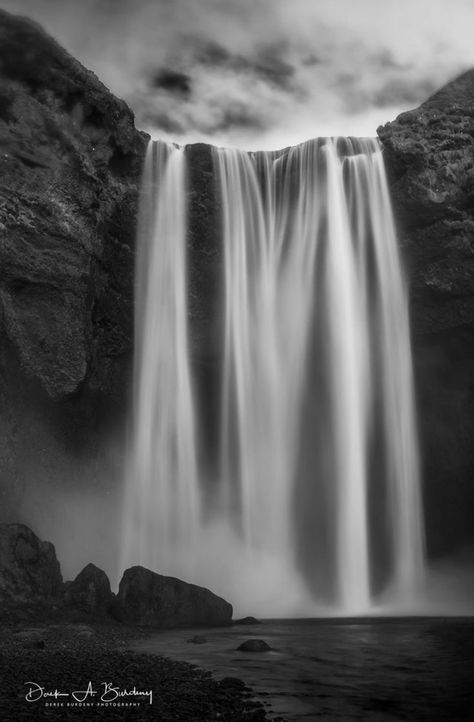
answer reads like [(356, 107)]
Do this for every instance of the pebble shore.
[(107, 679)]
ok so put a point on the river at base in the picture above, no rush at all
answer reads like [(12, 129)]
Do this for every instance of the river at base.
[(375, 670)]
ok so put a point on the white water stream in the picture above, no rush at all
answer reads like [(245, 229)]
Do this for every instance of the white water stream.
[(316, 385)]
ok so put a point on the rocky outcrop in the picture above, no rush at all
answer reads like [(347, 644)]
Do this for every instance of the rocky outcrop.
[(89, 592), (29, 569), (429, 153), (31, 585), (69, 165), (150, 599)]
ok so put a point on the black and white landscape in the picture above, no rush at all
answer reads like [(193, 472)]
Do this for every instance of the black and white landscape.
[(237, 331)]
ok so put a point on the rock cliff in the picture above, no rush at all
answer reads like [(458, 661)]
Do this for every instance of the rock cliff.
[(429, 153), (70, 161)]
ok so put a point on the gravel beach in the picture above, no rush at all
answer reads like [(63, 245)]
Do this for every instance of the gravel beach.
[(80, 671)]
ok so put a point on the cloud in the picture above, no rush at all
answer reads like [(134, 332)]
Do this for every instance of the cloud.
[(263, 73), (172, 82), (265, 62)]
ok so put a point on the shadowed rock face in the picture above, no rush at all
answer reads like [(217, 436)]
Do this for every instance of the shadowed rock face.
[(31, 584), (150, 599), (429, 154), (70, 163), (89, 592), (29, 570)]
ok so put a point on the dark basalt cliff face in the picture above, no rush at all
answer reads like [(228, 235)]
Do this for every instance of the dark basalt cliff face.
[(70, 161), (429, 153)]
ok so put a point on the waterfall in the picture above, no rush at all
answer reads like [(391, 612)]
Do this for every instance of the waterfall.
[(161, 508), (316, 489)]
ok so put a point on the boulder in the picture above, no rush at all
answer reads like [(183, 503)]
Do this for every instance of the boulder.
[(89, 592), (254, 645), (31, 639), (429, 155), (150, 599), (197, 639), (29, 569), (233, 683)]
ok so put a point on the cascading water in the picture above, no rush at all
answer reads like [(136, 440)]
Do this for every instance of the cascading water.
[(162, 506), (317, 495)]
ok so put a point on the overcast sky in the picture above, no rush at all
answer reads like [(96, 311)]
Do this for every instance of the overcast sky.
[(264, 73)]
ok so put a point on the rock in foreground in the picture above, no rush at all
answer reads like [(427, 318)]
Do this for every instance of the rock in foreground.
[(180, 691), (150, 599), (29, 570), (90, 591), (254, 645)]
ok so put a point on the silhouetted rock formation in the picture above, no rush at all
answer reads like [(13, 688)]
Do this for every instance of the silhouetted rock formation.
[(29, 570), (247, 620), (89, 592), (150, 599), (429, 153), (31, 585)]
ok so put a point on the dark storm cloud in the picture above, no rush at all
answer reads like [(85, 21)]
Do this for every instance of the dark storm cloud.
[(264, 73), (172, 81)]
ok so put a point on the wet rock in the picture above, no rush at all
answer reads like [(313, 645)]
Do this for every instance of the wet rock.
[(31, 638), (247, 620), (196, 640), (29, 569), (89, 592), (429, 154), (233, 683), (147, 598), (254, 645), (86, 634)]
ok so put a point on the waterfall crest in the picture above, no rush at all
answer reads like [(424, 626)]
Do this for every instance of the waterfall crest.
[(317, 483)]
